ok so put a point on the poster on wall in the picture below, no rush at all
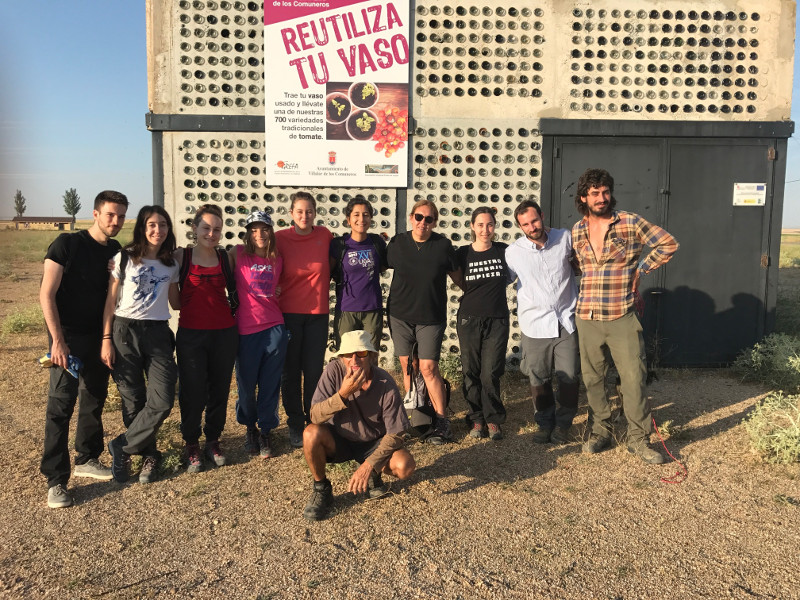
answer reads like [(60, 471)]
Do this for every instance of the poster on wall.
[(336, 75)]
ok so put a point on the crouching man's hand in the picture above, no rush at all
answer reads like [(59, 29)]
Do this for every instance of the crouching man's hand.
[(360, 479)]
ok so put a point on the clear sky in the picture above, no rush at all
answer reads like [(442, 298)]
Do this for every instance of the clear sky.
[(73, 98)]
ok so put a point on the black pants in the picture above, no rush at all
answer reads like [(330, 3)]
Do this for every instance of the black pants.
[(308, 339), (145, 374), (483, 342), (90, 389), (205, 368)]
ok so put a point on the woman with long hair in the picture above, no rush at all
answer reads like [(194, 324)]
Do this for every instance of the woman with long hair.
[(138, 345), (257, 266), (417, 305), (207, 339), (304, 302), (482, 324), (357, 260)]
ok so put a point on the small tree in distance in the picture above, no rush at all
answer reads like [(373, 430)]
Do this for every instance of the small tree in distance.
[(19, 203), (72, 202)]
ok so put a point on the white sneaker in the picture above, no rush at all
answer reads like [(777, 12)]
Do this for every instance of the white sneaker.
[(58, 497), (93, 468)]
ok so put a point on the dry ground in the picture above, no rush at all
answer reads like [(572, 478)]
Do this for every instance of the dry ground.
[(479, 519)]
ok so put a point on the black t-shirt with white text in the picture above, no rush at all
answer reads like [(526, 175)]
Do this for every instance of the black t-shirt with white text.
[(81, 297), (418, 294), (485, 277)]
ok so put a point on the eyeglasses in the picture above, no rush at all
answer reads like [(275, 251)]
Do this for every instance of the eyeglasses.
[(418, 217), (359, 354)]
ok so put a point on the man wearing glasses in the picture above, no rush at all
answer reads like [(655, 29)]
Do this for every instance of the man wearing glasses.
[(417, 304), (356, 414)]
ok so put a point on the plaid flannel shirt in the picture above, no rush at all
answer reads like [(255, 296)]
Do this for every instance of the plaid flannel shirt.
[(606, 290)]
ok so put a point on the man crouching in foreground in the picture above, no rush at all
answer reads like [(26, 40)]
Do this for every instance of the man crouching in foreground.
[(356, 414)]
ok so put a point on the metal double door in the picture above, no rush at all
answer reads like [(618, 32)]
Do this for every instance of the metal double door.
[(711, 300)]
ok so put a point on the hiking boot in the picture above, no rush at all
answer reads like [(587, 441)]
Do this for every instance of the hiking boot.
[(251, 443), (596, 443), (93, 468), (478, 431), (120, 462), (542, 435), (375, 486), (560, 435), (295, 437), (320, 502), (441, 433), (642, 449), (194, 463), (495, 433), (265, 445), (58, 497), (214, 453), (149, 472)]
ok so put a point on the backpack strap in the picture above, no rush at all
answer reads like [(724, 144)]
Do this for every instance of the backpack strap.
[(230, 280), (186, 264), (338, 248), (225, 263), (380, 249)]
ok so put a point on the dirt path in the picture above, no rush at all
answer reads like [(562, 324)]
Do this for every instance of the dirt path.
[(479, 519)]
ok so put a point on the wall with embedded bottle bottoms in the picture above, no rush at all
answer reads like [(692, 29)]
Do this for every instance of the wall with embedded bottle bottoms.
[(483, 74)]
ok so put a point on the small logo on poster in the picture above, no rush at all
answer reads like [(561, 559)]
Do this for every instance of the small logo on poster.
[(381, 169), (287, 166), (332, 158)]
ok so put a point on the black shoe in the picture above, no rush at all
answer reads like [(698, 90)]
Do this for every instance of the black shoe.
[(375, 487), (643, 450), (320, 502), (441, 433), (149, 472), (542, 435), (295, 437), (119, 460), (265, 443), (251, 441), (560, 435), (596, 443)]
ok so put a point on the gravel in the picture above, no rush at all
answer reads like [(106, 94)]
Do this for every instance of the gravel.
[(479, 519)]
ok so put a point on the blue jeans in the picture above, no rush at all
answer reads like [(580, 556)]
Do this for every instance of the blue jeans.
[(259, 363)]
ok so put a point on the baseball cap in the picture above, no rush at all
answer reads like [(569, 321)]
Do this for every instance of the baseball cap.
[(258, 216)]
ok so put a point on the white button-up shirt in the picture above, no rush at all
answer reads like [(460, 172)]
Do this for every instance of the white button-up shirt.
[(546, 289)]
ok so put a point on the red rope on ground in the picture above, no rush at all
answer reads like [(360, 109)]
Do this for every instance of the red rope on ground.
[(679, 476)]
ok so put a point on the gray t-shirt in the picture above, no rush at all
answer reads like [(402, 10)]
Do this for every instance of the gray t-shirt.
[(370, 414)]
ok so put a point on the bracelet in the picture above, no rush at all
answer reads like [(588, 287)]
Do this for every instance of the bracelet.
[(107, 336)]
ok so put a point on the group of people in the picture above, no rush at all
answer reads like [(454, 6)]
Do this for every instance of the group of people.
[(262, 307)]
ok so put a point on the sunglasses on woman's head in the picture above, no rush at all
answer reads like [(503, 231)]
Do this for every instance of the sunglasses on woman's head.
[(359, 354), (418, 217)]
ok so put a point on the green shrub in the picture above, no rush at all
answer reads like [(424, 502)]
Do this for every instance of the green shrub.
[(450, 368), (26, 320), (774, 428), (774, 361)]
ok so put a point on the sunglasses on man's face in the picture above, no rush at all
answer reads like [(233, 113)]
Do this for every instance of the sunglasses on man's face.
[(418, 217), (359, 354)]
